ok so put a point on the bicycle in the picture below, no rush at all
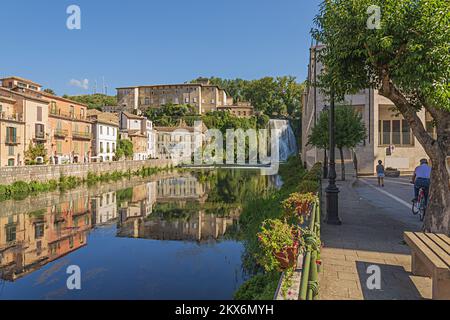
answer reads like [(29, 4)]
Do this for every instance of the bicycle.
[(419, 206)]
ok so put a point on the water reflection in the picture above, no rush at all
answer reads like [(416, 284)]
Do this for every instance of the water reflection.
[(196, 207)]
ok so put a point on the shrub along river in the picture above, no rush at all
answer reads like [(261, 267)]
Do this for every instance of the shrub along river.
[(174, 236)]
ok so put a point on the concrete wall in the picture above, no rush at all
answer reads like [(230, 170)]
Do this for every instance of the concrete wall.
[(9, 175)]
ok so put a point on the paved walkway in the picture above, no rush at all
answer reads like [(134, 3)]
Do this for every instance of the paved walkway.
[(371, 234)]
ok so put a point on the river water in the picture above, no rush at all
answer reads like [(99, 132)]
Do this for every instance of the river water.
[(172, 236)]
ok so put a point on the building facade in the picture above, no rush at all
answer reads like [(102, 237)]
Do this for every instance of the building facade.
[(389, 136), (12, 130), (71, 131), (139, 130), (239, 109), (31, 109), (203, 97), (105, 132)]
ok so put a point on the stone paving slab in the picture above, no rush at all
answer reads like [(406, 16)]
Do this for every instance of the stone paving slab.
[(369, 236)]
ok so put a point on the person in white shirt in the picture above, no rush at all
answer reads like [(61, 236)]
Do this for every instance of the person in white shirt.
[(421, 179)]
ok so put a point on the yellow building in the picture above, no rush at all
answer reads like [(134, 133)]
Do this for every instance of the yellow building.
[(202, 96), (12, 129)]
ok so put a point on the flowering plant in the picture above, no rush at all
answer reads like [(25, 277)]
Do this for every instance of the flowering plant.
[(299, 205), (280, 243)]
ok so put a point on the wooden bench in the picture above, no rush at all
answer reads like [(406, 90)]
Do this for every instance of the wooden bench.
[(431, 258)]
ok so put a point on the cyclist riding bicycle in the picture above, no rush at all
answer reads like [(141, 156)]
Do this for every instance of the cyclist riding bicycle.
[(421, 179)]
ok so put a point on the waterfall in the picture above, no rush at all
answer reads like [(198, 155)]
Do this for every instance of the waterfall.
[(287, 141)]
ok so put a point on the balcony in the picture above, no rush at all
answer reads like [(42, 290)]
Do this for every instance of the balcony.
[(11, 117), (12, 141), (66, 115), (61, 133), (39, 136), (81, 135)]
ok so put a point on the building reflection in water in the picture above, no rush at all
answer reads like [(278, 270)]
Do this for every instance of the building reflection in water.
[(174, 208), (30, 240)]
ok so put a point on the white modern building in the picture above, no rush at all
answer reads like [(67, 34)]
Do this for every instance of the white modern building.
[(139, 130), (105, 130), (389, 136), (104, 208)]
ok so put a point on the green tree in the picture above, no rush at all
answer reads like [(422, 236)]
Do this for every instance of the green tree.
[(50, 91), (319, 137), (35, 151), (350, 130), (279, 96), (94, 101), (124, 149), (407, 59)]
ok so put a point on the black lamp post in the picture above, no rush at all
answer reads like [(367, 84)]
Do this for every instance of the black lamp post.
[(332, 191)]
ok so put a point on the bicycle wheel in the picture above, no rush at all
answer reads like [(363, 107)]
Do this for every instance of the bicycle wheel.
[(415, 208), (422, 209)]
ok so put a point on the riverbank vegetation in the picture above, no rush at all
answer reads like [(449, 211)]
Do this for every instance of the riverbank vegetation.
[(19, 190), (269, 207)]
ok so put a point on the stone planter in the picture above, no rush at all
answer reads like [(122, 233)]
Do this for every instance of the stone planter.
[(392, 173)]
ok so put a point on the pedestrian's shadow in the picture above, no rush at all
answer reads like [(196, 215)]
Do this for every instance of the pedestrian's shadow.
[(395, 282)]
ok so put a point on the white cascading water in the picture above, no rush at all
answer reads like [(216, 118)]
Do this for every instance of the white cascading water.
[(287, 142)]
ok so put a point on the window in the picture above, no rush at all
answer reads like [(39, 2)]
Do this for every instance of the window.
[(39, 230), (113, 147), (76, 147), (107, 131), (39, 130), (11, 134), (386, 132), (39, 113), (101, 129), (101, 147), (11, 232), (59, 147), (431, 129), (10, 150), (72, 111), (395, 132), (10, 162)]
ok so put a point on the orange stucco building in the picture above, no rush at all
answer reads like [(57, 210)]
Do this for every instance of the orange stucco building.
[(70, 131)]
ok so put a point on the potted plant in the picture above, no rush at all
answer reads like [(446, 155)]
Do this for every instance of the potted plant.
[(392, 172), (298, 206), (281, 244)]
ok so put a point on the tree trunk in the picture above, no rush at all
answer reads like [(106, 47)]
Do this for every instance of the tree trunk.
[(341, 151), (438, 212), (437, 217)]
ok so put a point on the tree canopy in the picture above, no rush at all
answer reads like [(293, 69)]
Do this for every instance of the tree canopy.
[(407, 58), (350, 131), (94, 101), (281, 96)]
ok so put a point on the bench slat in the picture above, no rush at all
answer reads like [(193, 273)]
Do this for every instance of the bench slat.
[(444, 238), (440, 242), (434, 247), (420, 248)]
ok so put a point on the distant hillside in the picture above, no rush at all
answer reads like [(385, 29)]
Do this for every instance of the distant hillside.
[(94, 101)]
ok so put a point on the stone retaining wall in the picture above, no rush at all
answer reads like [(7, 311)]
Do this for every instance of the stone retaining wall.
[(9, 175)]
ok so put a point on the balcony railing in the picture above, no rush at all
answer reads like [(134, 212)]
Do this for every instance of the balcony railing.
[(67, 115), (12, 141), (12, 117), (61, 133), (39, 136), (81, 135)]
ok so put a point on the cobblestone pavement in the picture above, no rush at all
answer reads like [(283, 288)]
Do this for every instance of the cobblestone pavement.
[(371, 234)]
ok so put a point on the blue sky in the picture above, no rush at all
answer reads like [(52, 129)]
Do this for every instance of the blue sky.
[(137, 42)]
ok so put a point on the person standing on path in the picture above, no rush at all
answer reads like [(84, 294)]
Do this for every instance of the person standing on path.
[(380, 173)]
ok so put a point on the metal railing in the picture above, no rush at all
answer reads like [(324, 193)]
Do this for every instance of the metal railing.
[(61, 132), (309, 285), (81, 135)]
